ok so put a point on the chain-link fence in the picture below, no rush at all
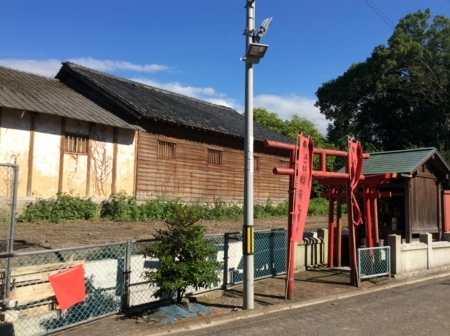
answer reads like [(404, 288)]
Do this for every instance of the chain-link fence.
[(114, 279), (374, 262), (31, 307)]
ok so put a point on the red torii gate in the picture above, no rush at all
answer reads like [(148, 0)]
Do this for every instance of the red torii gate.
[(370, 195), (349, 179)]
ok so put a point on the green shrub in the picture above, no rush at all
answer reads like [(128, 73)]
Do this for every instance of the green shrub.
[(185, 258), (122, 208), (60, 209), (159, 208)]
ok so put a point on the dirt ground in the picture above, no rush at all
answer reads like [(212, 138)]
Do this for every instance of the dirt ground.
[(47, 236)]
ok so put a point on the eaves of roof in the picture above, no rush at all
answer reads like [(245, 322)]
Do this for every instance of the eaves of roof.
[(165, 106), (30, 92), (402, 161)]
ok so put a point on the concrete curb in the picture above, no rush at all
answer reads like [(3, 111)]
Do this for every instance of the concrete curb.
[(209, 321)]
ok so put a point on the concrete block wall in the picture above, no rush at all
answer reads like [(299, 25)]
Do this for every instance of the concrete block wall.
[(313, 250), (419, 258)]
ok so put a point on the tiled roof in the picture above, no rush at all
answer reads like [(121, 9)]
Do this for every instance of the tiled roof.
[(25, 91), (166, 106), (401, 161)]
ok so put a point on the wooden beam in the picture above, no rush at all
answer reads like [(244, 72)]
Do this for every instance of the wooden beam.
[(376, 194), (376, 228), (136, 161), (339, 233), (114, 160), (439, 209), (374, 180), (408, 224), (89, 161), (61, 154), (331, 228), (31, 154)]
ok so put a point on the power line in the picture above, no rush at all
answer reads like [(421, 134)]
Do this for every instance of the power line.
[(380, 14)]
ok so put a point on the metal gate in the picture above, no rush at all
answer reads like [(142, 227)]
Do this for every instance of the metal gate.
[(374, 262), (8, 196), (9, 176)]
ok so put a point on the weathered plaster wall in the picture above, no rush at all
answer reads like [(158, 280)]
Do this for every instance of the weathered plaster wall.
[(46, 156), (125, 161), (102, 160), (14, 143)]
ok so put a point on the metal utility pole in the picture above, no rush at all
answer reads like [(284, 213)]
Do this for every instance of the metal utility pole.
[(248, 243), (254, 51)]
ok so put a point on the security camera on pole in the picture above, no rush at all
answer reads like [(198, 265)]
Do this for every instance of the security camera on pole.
[(253, 54)]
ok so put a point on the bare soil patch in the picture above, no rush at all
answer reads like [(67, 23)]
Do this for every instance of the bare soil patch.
[(76, 233)]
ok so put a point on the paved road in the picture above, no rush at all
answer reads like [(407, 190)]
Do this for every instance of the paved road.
[(420, 309)]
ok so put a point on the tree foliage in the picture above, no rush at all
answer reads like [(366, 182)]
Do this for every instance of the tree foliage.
[(398, 98), (185, 257), (288, 128)]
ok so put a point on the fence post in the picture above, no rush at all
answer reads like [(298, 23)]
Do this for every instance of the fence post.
[(394, 243), (126, 277), (10, 241), (226, 247), (427, 238)]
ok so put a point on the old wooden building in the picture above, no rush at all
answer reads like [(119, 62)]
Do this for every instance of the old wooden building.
[(416, 203), (62, 141), (190, 149)]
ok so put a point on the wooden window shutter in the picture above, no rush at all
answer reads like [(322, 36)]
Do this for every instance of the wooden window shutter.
[(166, 150), (76, 144), (214, 157), (256, 162)]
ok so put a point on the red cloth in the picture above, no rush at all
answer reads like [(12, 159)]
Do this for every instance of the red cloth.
[(355, 169), (69, 286), (302, 186)]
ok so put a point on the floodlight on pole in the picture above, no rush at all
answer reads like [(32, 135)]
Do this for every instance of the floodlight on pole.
[(253, 54)]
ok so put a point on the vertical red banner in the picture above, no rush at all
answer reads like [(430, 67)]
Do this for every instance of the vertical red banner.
[(355, 163), (302, 186)]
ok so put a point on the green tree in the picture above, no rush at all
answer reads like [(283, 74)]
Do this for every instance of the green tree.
[(289, 128), (185, 257), (398, 98)]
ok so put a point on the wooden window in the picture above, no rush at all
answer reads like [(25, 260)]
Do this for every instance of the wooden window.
[(256, 163), (214, 157), (166, 150), (284, 164), (76, 144)]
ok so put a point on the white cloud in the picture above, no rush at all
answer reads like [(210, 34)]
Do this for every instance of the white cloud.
[(50, 67), (178, 88), (111, 66), (203, 93), (287, 106)]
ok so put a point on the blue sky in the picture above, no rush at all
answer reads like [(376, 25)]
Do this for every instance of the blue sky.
[(194, 46)]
